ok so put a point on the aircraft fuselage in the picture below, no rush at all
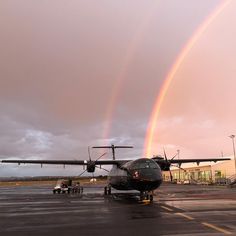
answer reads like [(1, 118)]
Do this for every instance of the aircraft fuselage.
[(143, 175)]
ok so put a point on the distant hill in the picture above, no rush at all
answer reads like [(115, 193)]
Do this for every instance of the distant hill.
[(45, 178)]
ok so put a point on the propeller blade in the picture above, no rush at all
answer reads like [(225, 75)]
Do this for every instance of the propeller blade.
[(165, 155), (102, 168), (171, 176), (101, 156), (82, 173), (89, 153), (174, 156)]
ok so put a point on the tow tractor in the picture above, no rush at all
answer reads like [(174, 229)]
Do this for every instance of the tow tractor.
[(67, 186)]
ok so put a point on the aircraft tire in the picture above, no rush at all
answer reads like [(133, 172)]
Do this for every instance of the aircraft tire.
[(151, 198), (109, 191), (105, 190)]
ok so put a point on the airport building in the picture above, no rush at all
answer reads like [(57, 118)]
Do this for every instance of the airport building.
[(221, 172)]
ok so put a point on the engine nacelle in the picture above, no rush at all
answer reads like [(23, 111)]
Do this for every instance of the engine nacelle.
[(165, 166), (91, 167)]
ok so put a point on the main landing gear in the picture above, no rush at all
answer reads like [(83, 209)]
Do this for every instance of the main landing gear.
[(146, 196), (107, 190)]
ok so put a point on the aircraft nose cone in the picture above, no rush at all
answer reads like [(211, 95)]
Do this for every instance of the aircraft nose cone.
[(146, 179)]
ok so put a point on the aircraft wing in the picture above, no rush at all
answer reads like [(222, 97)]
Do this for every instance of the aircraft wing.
[(161, 161), (110, 162), (66, 162), (180, 161)]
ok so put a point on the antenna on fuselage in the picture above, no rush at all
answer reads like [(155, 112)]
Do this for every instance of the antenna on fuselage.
[(113, 147)]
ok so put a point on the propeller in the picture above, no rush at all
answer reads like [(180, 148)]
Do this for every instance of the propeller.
[(168, 162), (91, 165), (100, 166)]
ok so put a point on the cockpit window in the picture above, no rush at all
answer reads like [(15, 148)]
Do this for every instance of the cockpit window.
[(146, 164)]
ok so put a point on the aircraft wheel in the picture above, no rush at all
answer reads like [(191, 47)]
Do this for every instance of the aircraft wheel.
[(109, 191), (151, 198), (105, 190)]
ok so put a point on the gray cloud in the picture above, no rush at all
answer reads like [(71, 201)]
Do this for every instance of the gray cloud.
[(60, 61)]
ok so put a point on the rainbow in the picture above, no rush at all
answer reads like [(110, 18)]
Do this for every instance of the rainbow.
[(129, 55), (170, 75)]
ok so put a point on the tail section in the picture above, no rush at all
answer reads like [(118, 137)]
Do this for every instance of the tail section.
[(113, 147)]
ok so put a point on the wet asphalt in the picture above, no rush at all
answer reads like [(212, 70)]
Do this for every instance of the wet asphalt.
[(176, 210)]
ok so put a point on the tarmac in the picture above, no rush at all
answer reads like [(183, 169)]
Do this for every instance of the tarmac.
[(176, 210)]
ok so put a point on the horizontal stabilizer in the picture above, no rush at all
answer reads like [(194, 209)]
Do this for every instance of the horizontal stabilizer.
[(112, 146)]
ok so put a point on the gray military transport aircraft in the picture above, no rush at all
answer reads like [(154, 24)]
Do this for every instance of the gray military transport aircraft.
[(143, 174)]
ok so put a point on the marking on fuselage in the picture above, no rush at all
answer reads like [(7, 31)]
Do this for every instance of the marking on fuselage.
[(216, 228), (167, 208)]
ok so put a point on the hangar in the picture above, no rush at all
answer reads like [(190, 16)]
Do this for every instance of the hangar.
[(220, 173)]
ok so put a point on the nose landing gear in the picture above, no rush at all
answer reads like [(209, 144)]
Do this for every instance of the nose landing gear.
[(146, 196), (107, 190)]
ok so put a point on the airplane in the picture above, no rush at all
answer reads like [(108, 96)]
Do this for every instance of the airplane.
[(143, 174)]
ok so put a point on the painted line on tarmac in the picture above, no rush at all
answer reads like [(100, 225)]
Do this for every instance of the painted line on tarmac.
[(167, 208), (217, 228), (206, 224), (184, 215)]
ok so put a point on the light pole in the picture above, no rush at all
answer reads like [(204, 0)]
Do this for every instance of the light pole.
[(232, 137), (179, 166)]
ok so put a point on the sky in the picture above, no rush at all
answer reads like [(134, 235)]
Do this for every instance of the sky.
[(79, 73)]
